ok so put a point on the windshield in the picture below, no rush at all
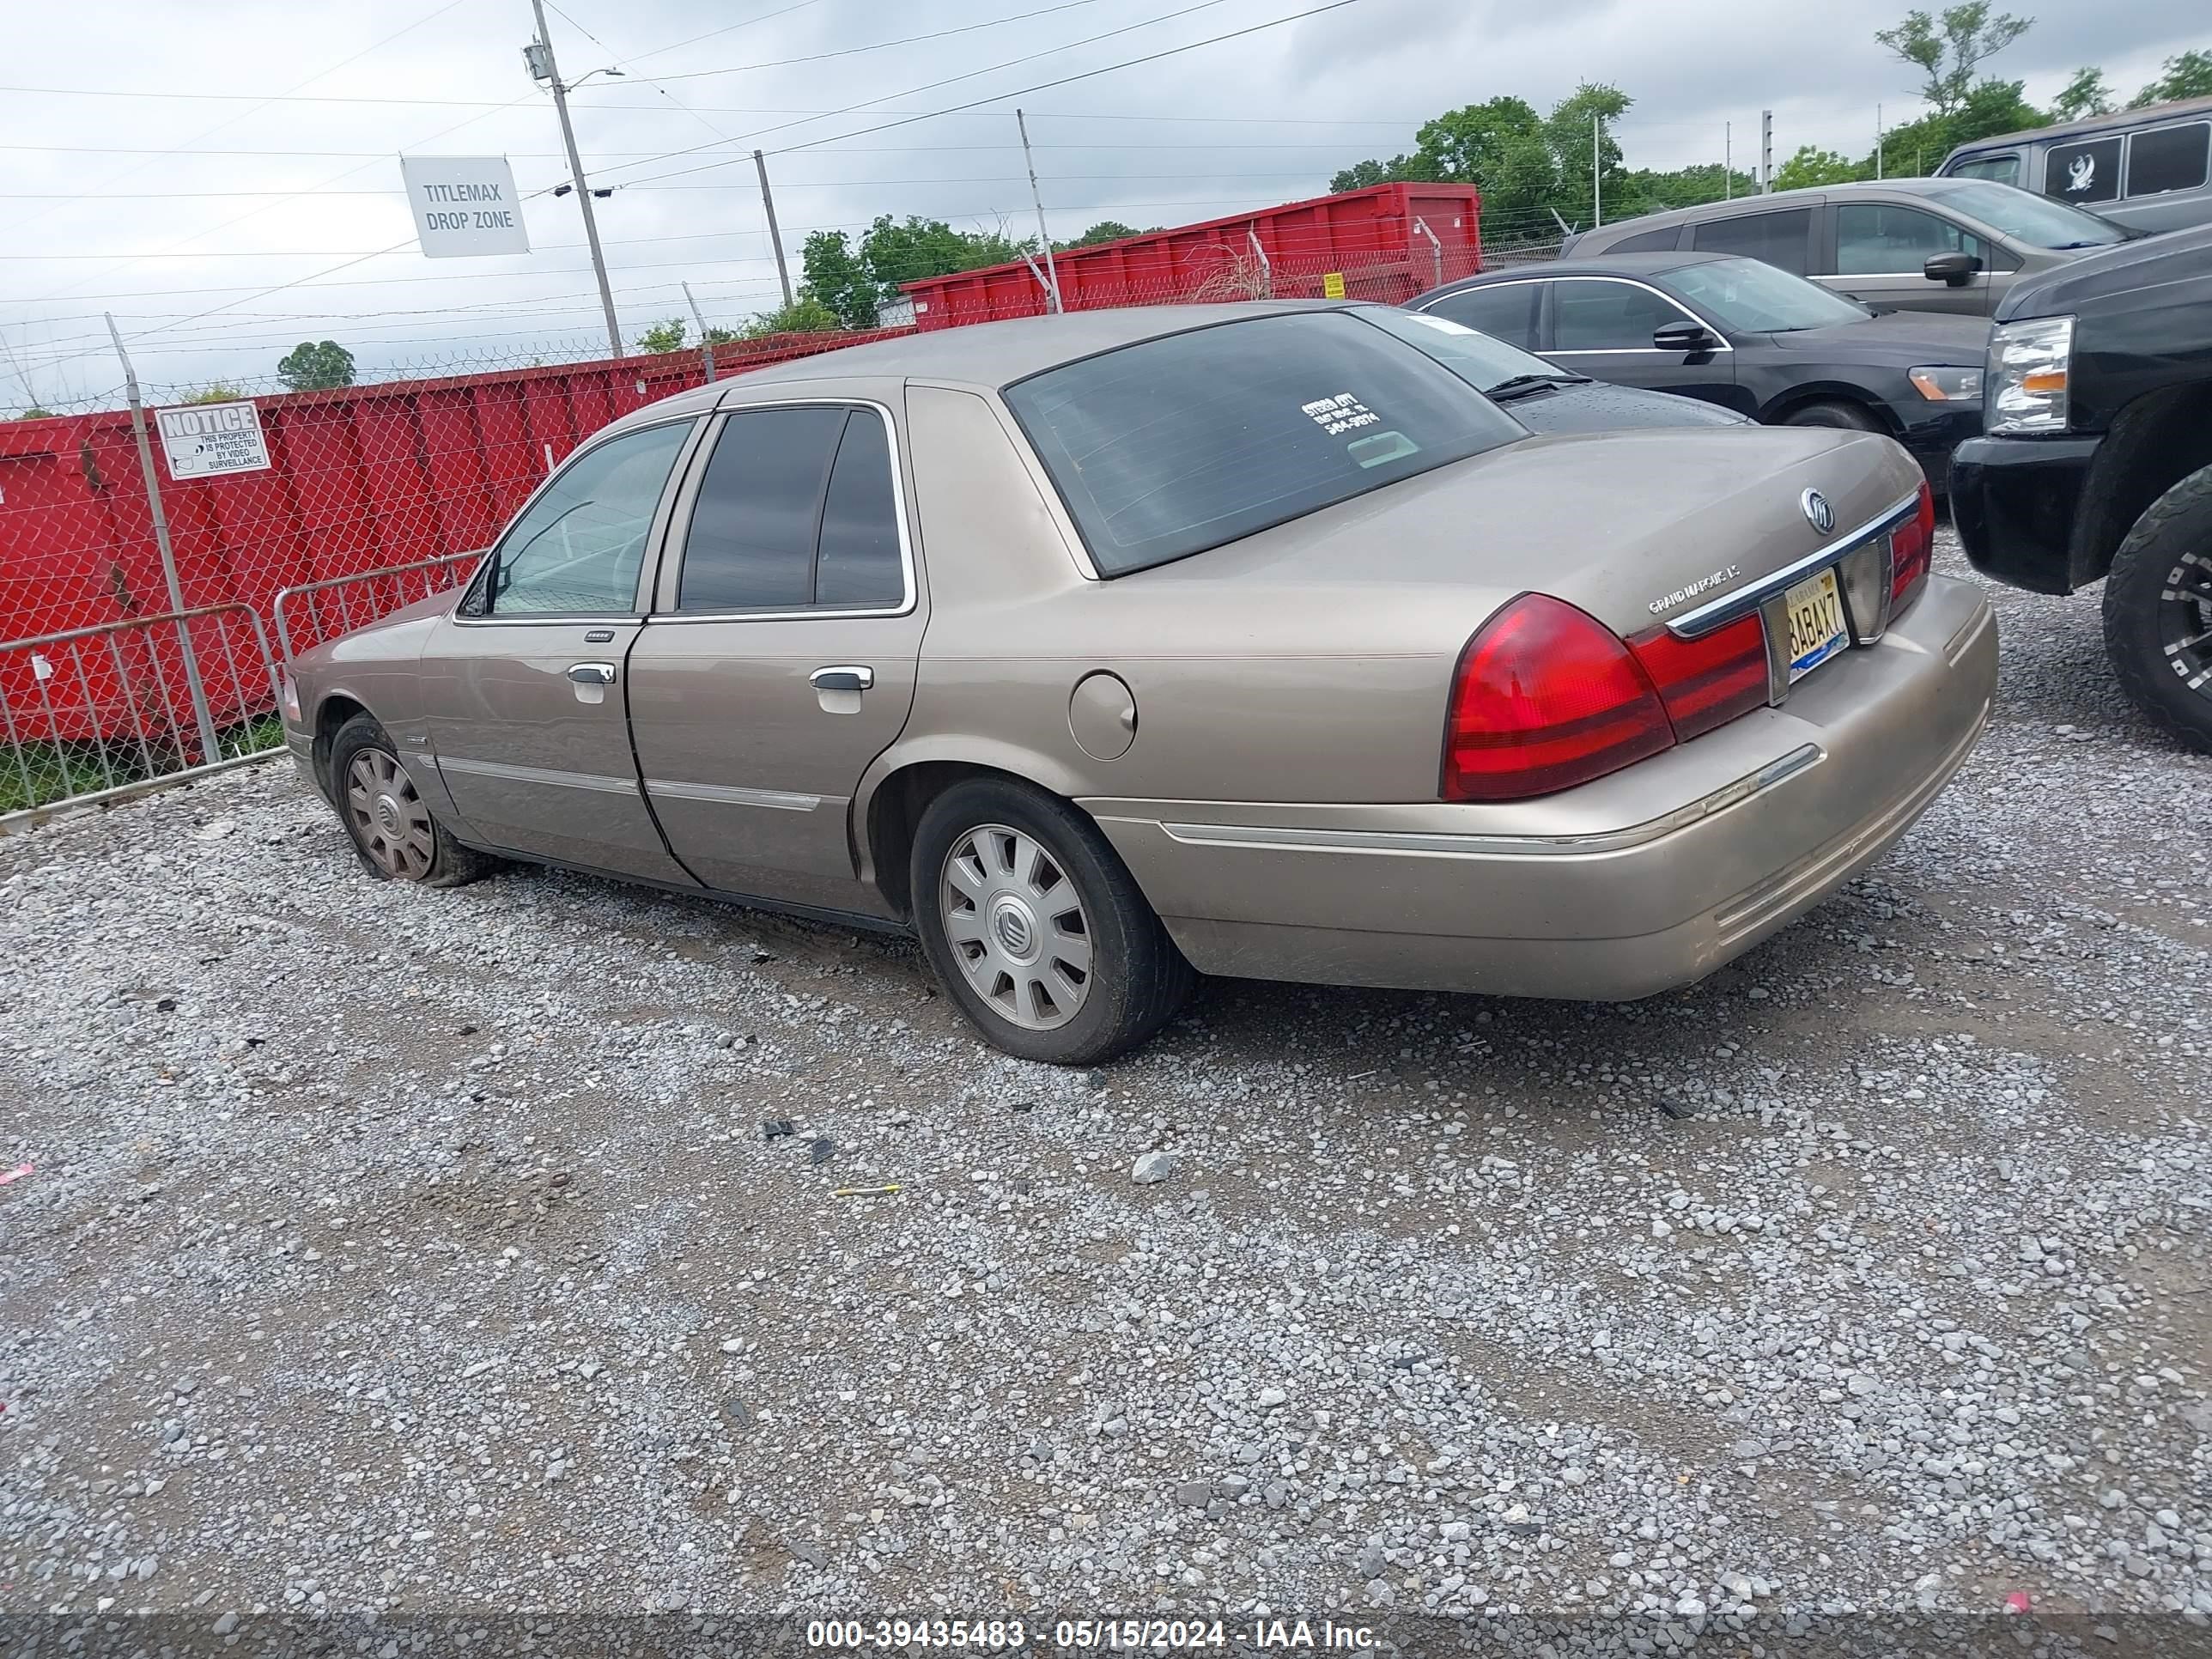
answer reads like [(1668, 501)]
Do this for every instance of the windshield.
[(2036, 220), (1752, 297), (1175, 445), (1475, 357)]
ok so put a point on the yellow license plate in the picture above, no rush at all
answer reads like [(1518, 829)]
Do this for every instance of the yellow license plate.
[(1816, 622)]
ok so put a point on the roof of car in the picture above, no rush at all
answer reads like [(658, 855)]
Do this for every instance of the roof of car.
[(2150, 115), (1595, 265), (1804, 197), (988, 354)]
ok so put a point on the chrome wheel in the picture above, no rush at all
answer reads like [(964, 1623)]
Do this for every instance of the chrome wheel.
[(1017, 926), (2185, 620), (388, 817)]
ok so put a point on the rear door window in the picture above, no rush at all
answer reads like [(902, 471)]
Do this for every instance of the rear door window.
[(2167, 159), (860, 563), (1506, 311), (2083, 174), (1780, 238), (1650, 242), (1169, 446), (1589, 314)]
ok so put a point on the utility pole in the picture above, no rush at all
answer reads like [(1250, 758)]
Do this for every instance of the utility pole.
[(1765, 151), (1044, 237), (1877, 140), (210, 749), (542, 66), (706, 345), (1597, 206), (775, 236), (1728, 161)]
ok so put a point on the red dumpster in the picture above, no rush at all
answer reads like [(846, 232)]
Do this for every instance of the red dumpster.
[(1387, 242)]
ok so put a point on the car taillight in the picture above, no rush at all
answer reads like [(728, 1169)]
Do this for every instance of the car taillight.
[(1708, 681), (1545, 697), (1912, 551)]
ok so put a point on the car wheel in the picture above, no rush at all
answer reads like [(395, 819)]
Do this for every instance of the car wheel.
[(1831, 413), (390, 827), (1035, 928), (2158, 611)]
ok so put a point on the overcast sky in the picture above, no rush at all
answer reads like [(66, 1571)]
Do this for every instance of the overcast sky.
[(130, 184)]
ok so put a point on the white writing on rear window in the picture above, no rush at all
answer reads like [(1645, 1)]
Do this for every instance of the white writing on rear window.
[(1341, 413)]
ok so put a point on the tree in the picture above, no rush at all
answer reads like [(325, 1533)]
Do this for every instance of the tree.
[(35, 413), (1643, 191), (804, 315), (662, 336), (1497, 146), (2189, 76), (2086, 94), (1397, 170), (221, 392), (1948, 49), (1106, 230), (1919, 147), (836, 276), (310, 367), (1811, 166), (858, 284), (1575, 120)]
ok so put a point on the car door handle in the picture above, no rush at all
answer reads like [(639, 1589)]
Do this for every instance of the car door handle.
[(843, 678), (592, 673)]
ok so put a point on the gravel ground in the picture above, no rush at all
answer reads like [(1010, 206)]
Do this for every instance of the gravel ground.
[(416, 1252)]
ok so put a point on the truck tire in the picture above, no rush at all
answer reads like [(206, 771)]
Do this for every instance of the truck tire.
[(2158, 612)]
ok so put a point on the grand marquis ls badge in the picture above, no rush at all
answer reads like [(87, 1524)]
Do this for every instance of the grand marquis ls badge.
[(1817, 511)]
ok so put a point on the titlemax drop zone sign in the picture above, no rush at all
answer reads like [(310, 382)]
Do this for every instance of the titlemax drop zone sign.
[(463, 205), (206, 440)]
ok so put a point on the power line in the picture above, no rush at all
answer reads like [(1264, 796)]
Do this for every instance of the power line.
[(796, 184), (970, 74), (850, 52), (1066, 80)]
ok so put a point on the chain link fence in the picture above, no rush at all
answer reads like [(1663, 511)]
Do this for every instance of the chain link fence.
[(292, 517)]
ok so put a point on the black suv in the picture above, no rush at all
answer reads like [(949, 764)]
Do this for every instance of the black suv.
[(2096, 460)]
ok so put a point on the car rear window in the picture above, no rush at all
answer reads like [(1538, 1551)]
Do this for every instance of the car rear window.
[(1172, 446)]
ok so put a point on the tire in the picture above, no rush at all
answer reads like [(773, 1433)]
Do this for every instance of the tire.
[(392, 832), (1007, 958), (2158, 612), (1828, 413)]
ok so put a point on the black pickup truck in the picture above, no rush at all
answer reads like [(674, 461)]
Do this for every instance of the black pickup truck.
[(2096, 460)]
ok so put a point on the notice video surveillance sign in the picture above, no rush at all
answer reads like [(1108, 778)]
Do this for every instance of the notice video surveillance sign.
[(464, 206), (207, 441)]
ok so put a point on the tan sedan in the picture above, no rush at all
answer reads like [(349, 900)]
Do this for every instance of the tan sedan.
[(1248, 639)]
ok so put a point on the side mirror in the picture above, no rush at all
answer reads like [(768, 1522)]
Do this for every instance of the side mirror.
[(1956, 269), (1685, 337)]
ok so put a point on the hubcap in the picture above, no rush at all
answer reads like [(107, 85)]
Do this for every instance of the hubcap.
[(1017, 926), (2184, 621), (387, 816)]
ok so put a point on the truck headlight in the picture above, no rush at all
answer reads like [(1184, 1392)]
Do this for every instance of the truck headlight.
[(2027, 371), (291, 696), (1948, 385)]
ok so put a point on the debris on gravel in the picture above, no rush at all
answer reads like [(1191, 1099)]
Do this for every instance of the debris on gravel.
[(394, 1251)]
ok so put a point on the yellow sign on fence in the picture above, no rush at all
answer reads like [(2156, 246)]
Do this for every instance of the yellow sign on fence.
[(1332, 284)]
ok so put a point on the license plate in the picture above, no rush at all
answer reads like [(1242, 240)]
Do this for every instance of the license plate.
[(1816, 622)]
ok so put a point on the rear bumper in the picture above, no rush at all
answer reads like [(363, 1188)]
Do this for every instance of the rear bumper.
[(1628, 886), (2014, 501)]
